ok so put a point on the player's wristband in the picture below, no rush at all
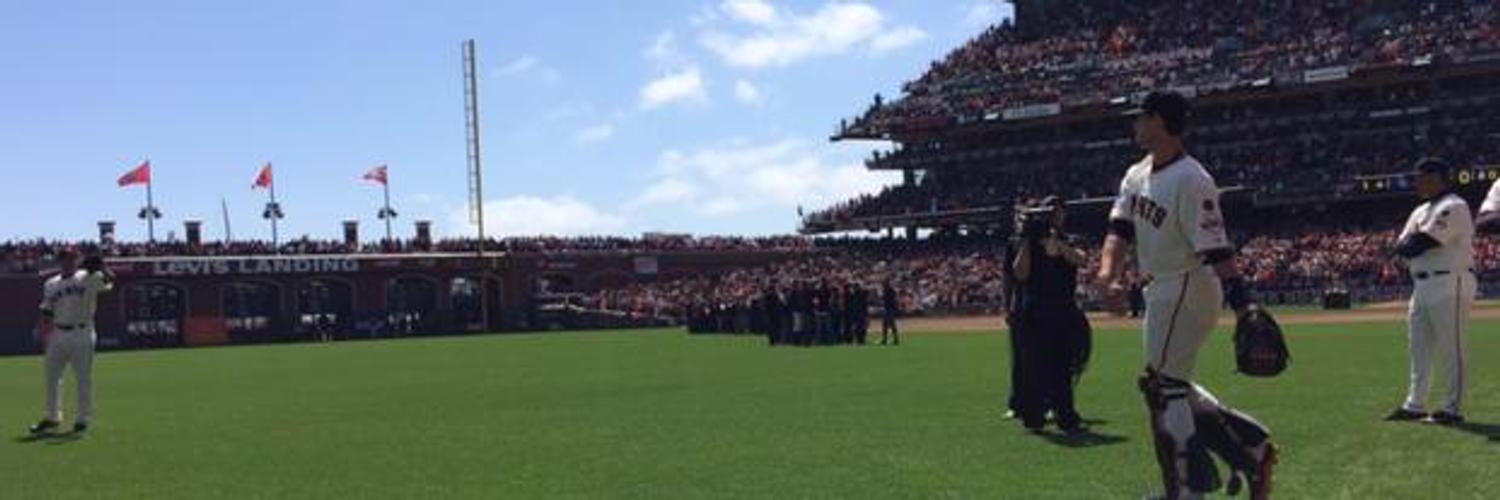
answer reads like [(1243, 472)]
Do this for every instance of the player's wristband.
[(1237, 293), (1122, 228)]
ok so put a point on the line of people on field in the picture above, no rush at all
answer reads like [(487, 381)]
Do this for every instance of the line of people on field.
[(805, 314)]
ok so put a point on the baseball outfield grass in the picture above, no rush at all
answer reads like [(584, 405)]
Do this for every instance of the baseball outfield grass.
[(663, 415)]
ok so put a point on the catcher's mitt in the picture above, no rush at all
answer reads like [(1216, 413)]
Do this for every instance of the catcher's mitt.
[(1259, 346)]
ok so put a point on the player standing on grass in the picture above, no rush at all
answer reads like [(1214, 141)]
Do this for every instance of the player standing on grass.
[(68, 302), (1438, 245), (890, 309), (1168, 208)]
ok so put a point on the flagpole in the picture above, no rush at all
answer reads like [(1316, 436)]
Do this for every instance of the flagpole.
[(275, 238), (387, 186), (150, 213), (228, 235)]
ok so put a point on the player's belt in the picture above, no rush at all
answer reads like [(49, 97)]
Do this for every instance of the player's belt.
[(78, 326), (1422, 275)]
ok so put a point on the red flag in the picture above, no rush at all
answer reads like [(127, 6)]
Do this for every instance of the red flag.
[(376, 174), (264, 180), (138, 175)]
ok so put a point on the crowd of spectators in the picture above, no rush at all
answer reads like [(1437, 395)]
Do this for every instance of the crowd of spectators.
[(1089, 52), (1292, 267), (31, 255), (949, 277), (1300, 267)]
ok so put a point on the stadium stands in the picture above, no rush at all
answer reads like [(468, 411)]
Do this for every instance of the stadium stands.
[(1321, 149), (1087, 53)]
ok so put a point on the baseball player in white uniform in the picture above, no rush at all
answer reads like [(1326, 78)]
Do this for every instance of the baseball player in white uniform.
[(68, 303), (1438, 246), (1168, 208), (1488, 220)]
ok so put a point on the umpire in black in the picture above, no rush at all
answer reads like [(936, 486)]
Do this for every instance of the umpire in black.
[(1052, 338)]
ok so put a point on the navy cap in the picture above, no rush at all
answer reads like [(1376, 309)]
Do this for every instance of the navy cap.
[(1170, 106), (1432, 166), (1164, 103)]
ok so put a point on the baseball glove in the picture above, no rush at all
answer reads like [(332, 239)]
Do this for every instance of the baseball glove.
[(1259, 346)]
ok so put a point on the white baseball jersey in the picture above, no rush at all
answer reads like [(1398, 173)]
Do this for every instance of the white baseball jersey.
[(1175, 210), (1447, 220), (73, 298), (1491, 200)]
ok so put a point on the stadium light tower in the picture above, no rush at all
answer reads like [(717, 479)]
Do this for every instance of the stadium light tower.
[(476, 179), (471, 129)]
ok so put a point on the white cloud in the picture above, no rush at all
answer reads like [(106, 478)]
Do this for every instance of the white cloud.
[(779, 38), (667, 190), (747, 93), (595, 134), (897, 39), (533, 216), (756, 12), (663, 49), (529, 66), (685, 86), (518, 66), (741, 177)]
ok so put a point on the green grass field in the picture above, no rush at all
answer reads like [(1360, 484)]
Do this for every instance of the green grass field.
[(663, 415)]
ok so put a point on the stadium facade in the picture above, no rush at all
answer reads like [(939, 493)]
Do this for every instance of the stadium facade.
[(204, 301)]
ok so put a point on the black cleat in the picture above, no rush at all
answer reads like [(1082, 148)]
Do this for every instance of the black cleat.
[(1405, 415), (1071, 424), (42, 427), (1446, 418), (1074, 430), (80, 427)]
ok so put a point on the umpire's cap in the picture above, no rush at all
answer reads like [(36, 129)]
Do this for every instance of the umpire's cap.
[(1431, 165), (1172, 107)]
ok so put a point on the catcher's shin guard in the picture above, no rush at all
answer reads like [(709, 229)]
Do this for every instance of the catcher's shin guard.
[(1183, 455), (1231, 435)]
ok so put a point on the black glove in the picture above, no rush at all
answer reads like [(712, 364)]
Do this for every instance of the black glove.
[(1259, 346)]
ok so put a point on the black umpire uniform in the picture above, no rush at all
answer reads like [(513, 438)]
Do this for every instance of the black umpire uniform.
[(1051, 335)]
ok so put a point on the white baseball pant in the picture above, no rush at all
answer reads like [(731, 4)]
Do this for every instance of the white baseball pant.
[(73, 348)]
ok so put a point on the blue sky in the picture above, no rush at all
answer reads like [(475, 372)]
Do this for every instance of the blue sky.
[(707, 117)]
